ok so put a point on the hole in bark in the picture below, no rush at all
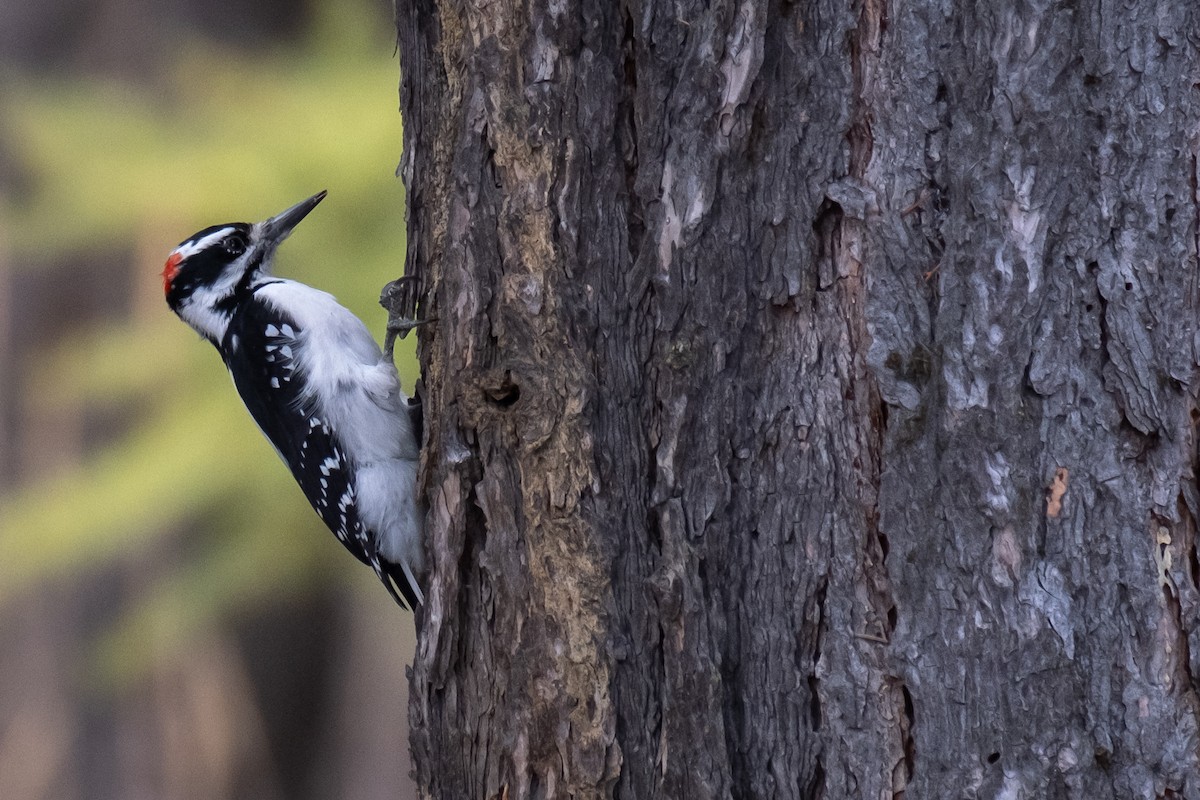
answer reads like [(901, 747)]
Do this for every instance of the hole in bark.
[(1088, 307), (491, 161), (827, 226), (993, 758), (893, 615), (884, 545), (1128, 286), (941, 204), (505, 393)]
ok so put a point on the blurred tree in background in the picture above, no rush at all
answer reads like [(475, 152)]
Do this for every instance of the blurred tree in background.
[(174, 619)]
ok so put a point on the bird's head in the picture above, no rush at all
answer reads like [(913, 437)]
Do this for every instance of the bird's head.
[(210, 272)]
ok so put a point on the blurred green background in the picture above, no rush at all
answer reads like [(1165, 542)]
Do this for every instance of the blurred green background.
[(175, 622)]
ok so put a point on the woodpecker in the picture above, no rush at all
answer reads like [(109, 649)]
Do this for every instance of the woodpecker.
[(317, 384)]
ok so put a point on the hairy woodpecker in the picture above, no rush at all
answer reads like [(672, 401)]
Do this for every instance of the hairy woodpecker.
[(316, 383)]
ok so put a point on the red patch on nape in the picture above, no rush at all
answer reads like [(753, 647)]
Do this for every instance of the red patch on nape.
[(170, 270)]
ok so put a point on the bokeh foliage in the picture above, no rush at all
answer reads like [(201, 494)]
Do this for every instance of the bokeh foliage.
[(222, 136)]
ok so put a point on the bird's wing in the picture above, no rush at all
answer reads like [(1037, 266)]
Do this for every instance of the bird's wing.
[(259, 350)]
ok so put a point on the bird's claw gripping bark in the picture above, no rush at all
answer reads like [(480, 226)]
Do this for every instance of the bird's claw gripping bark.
[(400, 298)]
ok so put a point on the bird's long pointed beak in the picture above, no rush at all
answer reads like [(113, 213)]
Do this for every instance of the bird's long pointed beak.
[(277, 228)]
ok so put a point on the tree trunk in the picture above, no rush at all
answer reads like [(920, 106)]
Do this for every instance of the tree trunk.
[(810, 405)]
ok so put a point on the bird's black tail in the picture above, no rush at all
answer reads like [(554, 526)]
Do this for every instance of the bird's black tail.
[(401, 583)]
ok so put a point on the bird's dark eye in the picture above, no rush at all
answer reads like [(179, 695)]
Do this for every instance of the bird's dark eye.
[(235, 245)]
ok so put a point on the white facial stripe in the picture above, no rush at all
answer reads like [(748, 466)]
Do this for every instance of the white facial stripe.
[(189, 249), (199, 308)]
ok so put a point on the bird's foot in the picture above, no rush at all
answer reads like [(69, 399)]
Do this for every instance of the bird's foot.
[(400, 298)]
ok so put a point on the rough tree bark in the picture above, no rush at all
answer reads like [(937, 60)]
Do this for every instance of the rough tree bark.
[(811, 402)]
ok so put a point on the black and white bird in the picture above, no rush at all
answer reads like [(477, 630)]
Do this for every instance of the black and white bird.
[(316, 383)]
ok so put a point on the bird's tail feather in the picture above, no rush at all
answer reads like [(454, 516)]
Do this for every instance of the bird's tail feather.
[(397, 577)]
